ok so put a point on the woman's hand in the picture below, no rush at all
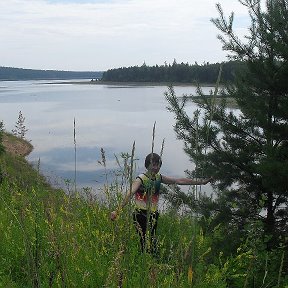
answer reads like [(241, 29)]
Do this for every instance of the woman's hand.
[(113, 215), (208, 180)]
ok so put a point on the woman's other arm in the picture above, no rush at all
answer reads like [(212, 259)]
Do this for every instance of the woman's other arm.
[(185, 181), (135, 186)]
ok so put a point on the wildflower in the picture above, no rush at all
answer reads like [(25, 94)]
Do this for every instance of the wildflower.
[(190, 274)]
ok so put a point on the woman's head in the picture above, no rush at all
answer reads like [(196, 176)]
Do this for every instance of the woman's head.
[(152, 159)]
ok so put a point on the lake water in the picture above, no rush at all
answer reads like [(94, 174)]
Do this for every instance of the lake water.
[(111, 117)]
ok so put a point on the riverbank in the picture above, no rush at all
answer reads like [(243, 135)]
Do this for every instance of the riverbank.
[(14, 167), (16, 146)]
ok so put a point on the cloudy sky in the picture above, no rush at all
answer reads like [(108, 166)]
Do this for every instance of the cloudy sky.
[(96, 35)]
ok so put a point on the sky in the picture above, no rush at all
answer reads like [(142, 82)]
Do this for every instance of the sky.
[(97, 35)]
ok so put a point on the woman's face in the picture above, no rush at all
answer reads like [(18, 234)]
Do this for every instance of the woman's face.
[(154, 167)]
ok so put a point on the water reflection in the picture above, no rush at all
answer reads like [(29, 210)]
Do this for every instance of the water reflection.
[(112, 117)]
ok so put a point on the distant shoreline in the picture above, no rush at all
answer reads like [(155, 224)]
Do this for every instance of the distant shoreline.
[(89, 82), (114, 83)]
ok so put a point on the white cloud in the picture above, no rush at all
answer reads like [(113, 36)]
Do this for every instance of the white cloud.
[(98, 35)]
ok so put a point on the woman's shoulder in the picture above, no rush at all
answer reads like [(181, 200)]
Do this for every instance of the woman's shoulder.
[(145, 177), (142, 176)]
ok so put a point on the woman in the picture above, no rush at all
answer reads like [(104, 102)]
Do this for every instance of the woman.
[(146, 190)]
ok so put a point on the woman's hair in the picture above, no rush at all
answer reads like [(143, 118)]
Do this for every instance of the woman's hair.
[(152, 158)]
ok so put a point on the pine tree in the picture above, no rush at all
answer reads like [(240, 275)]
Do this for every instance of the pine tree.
[(246, 151), (20, 128)]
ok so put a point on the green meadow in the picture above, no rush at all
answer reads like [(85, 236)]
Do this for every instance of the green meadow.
[(56, 238)]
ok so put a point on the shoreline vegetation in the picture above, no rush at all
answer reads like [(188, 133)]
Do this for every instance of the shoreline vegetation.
[(57, 238), (53, 238), (16, 169)]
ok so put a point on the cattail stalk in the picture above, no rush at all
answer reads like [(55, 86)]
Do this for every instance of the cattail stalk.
[(75, 155)]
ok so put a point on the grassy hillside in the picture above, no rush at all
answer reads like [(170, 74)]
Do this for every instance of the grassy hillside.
[(51, 238)]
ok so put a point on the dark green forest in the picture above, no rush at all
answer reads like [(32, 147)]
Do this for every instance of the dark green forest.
[(9, 73), (175, 73)]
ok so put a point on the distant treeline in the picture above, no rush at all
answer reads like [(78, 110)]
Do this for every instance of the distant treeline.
[(168, 73), (9, 73), (174, 73)]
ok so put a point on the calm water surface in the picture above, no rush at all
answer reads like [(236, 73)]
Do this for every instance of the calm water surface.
[(107, 116)]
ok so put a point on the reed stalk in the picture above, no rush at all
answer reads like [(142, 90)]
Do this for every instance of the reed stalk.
[(153, 138), (131, 170), (162, 148), (281, 269), (212, 111), (75, 156)]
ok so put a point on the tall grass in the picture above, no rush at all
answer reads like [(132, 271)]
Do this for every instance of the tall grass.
[(53, 239)]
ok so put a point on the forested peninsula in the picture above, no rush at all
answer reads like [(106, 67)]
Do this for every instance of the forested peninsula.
[(175, 73)]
